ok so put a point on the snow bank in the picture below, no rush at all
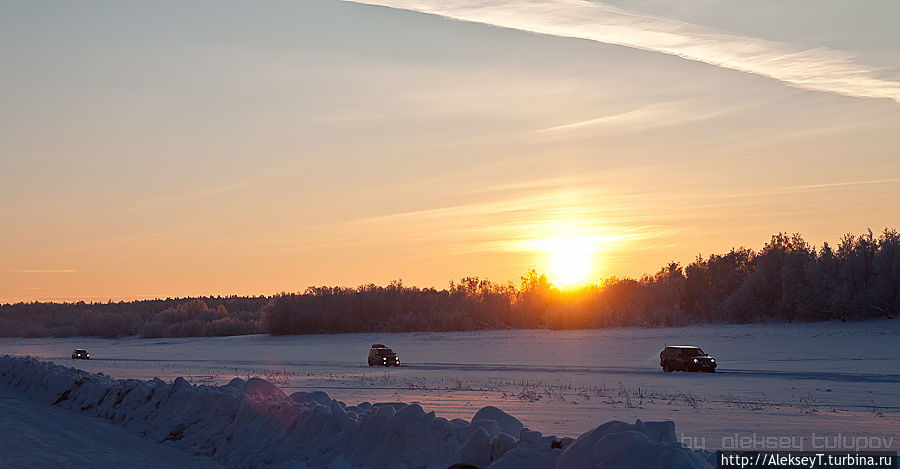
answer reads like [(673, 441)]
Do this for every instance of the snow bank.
[(254, 424)]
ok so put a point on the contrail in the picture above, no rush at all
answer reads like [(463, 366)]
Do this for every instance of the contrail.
[(817, 69)]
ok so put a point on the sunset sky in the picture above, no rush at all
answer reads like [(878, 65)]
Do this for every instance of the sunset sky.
[(168, 148)]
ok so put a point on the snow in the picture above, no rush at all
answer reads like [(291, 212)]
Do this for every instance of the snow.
[(253, 423), (617, 444), (828, 378), (477, 450), (505, 422), (791, 381), (36, 434)]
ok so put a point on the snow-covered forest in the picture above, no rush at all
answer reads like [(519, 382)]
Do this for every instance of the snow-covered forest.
[(787, 280)]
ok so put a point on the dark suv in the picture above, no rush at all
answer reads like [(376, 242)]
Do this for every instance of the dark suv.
[(686, 358), (80, 354), (381, 355)]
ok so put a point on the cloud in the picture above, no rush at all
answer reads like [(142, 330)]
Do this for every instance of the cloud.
[(516, 217), (817, 69), (646, 117), (42, 271), (811, 188)]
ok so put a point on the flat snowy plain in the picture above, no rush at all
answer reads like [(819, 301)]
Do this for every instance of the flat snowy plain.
[(831, 384)]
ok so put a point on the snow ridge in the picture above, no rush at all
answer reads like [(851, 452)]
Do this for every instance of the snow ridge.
[(253, 423)]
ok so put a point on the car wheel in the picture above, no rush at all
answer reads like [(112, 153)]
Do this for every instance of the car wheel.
[(667, 368)]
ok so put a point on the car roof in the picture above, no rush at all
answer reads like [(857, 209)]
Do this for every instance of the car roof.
[(80, 350), (378, 346), (682, 346)]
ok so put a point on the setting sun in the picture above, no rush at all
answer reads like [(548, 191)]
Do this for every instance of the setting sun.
[(569, 259), (512, 208)]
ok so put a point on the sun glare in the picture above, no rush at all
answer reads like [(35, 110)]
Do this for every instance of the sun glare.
[(570, 259)]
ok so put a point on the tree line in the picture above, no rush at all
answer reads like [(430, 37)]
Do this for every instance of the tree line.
[(171, 317), (787, 280)]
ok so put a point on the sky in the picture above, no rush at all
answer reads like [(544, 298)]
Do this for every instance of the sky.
[(163, 149)]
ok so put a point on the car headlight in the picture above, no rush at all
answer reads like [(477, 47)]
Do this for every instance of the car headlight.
[(712, 360), (696, 361)]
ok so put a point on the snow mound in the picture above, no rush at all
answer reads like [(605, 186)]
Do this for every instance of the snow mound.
[(261, 389), (618, 444), (253, 423), (507, 423)]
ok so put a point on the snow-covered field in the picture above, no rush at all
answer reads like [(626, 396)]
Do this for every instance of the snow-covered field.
[(255, 424), (831, 384)]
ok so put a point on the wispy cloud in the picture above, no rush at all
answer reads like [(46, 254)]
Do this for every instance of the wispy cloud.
[(642, 115), (193, 195), (646, 117), (835, 185), (247, 180), (811, 188), (42, 271), (817, 69), (513, 220)]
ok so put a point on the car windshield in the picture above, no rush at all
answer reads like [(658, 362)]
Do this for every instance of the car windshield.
[(693, 352), (80, 350)]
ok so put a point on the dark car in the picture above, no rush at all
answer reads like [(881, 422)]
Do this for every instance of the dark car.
[(686, 358), (382, 355), (81, 354)]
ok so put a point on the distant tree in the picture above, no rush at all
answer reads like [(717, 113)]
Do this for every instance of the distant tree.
[(787, 280)]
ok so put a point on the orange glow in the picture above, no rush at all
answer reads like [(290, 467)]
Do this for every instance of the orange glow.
[(358, 155), (569, 259)]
